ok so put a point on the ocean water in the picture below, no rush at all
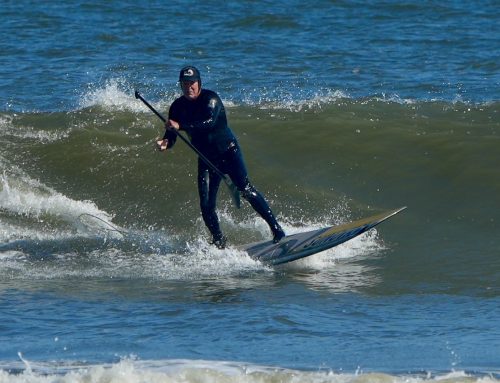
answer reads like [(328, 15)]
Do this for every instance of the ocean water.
[(343, 109)]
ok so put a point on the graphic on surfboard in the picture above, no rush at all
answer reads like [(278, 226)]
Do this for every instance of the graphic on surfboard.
[(301, 245)]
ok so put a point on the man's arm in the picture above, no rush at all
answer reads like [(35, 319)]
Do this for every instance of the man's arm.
[(170, 136)]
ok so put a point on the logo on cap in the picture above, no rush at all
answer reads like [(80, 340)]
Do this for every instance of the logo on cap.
[(189, 72)]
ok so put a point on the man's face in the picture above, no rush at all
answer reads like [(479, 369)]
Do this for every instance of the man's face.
[(190, 89)]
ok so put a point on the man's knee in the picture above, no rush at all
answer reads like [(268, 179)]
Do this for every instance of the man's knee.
[(249, 192)]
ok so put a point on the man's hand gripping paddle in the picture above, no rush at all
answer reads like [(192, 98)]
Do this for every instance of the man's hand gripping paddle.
[(232, 188)]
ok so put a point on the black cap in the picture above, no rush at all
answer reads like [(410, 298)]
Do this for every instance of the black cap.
[(189, 73)]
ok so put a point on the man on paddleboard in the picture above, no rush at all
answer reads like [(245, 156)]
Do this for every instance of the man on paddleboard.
[(200, 112)]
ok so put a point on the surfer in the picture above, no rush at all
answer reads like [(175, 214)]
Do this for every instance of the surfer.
[(200, 112)]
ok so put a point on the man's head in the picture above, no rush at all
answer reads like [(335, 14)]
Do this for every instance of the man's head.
[(190, 81)]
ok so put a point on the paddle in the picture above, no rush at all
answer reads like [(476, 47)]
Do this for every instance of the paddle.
[(232, 188)]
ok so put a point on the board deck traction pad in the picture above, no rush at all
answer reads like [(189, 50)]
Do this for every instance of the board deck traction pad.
[(301, 245)]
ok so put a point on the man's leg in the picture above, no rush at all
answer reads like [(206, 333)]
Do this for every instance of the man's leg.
[(235, 167), (208, 186)]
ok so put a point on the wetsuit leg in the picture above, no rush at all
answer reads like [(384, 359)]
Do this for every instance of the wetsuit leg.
[(235, 168), (208, 186), (260, 205)]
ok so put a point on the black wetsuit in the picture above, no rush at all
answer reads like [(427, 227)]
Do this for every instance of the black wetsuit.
[(204, 120)]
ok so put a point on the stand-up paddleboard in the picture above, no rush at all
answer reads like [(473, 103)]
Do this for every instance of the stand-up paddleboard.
[(301, 245)]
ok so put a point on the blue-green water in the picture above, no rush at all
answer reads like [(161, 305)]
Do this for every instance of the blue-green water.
[(343, 110)]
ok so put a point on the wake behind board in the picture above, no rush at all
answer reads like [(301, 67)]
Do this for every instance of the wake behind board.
[(301, 245)]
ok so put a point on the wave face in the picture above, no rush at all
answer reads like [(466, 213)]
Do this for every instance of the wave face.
[(318, 162)]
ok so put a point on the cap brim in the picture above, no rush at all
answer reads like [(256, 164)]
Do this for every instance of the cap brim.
[(190, 78)]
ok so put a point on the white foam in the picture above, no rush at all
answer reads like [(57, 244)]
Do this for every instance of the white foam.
[(28, 197), (112, 95), (317, 101), (119, 94), (42, 208), (149, 254), (391, 98), (8, 128), (198, 259), (201, 371)]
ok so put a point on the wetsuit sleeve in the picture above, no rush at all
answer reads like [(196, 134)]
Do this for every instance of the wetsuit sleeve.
[(170, 133), (213, 109), (171, 136)]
